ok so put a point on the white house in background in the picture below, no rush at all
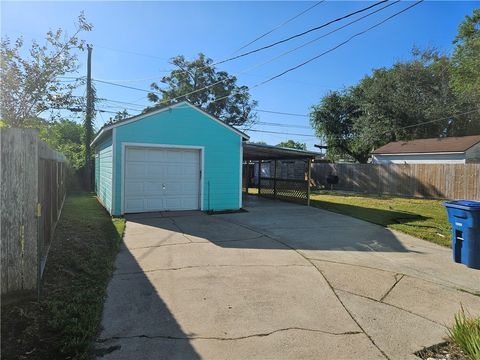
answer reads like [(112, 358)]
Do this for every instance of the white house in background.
[(448, 150)]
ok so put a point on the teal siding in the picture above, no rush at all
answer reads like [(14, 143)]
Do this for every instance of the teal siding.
[(185, 125), (103, 172)]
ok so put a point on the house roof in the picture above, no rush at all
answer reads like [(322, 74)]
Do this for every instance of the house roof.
[(104, 129), (435, 145), (269, 152)]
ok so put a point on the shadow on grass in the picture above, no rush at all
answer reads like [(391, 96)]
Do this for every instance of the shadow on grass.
[(377, 216)]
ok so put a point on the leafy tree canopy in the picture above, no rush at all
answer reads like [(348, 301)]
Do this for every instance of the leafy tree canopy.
[(31, 85), (65, 136), (466, 57), (410, 100), (293, 145), (222, 98)]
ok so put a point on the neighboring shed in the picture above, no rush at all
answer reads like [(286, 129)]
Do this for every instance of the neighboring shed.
[(175, 158), (448, 150)]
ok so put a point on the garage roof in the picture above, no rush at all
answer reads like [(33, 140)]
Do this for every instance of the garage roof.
[(268, 152), (435, 145)]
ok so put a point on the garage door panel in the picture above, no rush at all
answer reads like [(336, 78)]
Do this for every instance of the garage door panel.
[(134, 204), (134, 187), (174, 171), (154, 203), (152, 188), (135, 170), (135, 155), (161, 179), (155, 156), (155, 170)]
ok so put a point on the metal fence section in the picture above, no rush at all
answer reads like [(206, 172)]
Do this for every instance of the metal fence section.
[(441, 181), (32, 192)]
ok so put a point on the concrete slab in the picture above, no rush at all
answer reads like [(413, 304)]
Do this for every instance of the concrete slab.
[(363, 281), (233, 301), (432, 301), (264, 252), (248, 285), (152, 232), (398, 333), (212, 229), (288, 344)]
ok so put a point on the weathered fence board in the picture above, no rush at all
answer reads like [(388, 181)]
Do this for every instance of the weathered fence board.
[(24, 185), (442, 181)]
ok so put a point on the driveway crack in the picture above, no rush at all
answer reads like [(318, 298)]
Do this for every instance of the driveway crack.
[(169, 337), (208, 266), (398, 277), (326, 280)]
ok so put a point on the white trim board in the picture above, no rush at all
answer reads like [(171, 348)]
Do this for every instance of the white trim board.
[(163, 146), (142, 116)]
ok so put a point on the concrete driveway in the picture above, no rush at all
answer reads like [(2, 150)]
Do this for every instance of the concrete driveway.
[(280, 281)]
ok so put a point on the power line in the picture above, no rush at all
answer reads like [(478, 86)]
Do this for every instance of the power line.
[(281, 113), (338, 45), (322, 36), (288, 39), (279, 26), (300, 34), (280, 133), (281, 125)]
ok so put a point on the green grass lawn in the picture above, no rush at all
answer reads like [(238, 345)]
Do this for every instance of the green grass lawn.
[(79, 266), (426, 219)]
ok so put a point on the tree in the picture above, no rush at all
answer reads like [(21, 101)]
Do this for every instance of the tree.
[(66, 136), (31, 85), (222, 97), (333, 120), (293, 145), (410, 100), (466, 58)]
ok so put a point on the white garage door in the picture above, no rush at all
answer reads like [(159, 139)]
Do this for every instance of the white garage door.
[(161, 179)]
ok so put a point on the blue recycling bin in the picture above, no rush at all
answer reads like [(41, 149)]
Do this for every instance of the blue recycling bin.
[(464, 215)]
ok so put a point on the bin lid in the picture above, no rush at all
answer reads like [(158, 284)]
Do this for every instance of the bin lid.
[(467, 203)]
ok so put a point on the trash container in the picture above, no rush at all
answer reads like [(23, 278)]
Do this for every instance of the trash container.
[(464, 215)]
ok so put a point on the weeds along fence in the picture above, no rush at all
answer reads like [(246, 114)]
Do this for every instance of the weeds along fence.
[(442, 181), (32, 192)]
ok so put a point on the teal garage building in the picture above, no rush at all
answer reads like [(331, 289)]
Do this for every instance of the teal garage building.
[(174, 158)]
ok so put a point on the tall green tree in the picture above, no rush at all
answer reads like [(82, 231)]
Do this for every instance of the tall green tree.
[(334, 121), (466, 58), (222, 97), (291, 144), (31, 84), (411, 100), (66, 136)]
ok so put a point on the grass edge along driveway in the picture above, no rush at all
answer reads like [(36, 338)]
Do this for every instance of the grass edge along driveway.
[(79, 266), (422, 218)]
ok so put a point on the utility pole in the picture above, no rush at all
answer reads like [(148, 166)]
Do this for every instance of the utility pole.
[(88, 122)]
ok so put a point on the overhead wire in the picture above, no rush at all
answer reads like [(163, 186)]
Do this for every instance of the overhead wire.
[(279, 26)]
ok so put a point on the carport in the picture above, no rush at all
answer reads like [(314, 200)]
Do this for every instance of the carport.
[(264, 168)]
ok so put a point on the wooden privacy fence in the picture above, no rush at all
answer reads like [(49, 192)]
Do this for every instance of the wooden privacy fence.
[(32, 192), (443, 181)]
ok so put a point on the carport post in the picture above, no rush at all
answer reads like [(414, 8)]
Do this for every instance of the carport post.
[(275, 179), (309, 176), (259, 177)]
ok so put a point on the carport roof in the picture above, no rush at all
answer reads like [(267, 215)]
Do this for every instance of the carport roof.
[(268, 152)]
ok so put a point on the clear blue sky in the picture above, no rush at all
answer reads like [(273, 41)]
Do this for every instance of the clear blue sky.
[(133, 41)]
